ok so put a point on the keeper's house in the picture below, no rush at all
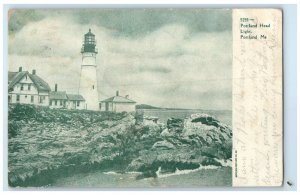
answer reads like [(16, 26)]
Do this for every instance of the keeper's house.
[(27, 88), (117, 104)]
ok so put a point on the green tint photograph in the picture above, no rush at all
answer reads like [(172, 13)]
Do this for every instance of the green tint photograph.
[(119, 98)]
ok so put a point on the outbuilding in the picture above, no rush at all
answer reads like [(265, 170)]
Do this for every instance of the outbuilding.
[(117, 103), (76, 101), (58, 99)]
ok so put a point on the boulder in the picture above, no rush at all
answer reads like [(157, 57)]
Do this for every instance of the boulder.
[(174, 122), (146, 174), (205, 130)]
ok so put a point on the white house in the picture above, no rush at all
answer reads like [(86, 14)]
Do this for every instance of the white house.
[(117, 104), (58, 99), (27, 88)]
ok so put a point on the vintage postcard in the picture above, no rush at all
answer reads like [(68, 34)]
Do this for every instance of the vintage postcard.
[(144, 98)]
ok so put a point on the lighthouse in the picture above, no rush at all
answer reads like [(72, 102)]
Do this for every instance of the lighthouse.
[(88, 77)]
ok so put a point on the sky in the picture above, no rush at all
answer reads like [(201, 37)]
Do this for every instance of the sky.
[(175, 58)]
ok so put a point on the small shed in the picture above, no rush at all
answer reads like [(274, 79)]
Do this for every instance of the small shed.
[(117, 103)]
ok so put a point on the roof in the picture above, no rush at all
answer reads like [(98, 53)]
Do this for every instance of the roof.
[(39, 82), (15, 77), (89, 33), (11, 75), (75, 97), (58, 95), (118, 99)]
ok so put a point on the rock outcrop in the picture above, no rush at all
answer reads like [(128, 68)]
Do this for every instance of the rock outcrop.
[(46, 144), (199, 140)]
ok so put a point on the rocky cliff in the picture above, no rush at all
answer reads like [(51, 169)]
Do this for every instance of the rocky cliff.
[(45, 144)]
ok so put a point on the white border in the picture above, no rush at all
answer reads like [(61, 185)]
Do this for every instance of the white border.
[(163, 3)]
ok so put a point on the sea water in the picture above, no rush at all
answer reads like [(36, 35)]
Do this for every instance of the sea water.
[(224, 116), (201, 177)]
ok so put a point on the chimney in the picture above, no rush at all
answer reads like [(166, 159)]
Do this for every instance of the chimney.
[(20, 69), (117, 93), (126, 96), (55, 89), (33, 72)]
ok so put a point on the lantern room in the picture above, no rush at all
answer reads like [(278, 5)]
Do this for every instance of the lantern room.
[(89, 43)]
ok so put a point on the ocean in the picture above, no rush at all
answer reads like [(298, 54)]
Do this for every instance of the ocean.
[(204, 177), (225, 116)]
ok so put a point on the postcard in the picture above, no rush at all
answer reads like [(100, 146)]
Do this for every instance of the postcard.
[(144, 98)]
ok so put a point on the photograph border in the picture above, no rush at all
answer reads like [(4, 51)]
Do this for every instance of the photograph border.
[(289, 88)]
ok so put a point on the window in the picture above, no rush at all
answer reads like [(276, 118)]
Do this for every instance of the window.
[(32, 99), (78, 103), (22, 87), (25, 96), (29, 87), (93, 87), (106, 106), (55, 102), (18, 98), (42, 98), (61, 102)]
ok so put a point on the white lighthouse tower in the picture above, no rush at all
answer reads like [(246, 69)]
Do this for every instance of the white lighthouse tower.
[(88, 78)]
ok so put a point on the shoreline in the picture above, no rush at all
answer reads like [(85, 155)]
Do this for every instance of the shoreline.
[(220, 176)]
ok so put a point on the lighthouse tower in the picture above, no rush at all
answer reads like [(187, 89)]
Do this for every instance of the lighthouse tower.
[(88, 78)]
